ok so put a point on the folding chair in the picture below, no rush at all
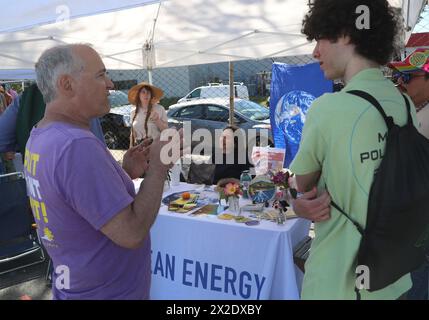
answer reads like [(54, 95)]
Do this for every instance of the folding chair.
[(19, 244), (301, 252)]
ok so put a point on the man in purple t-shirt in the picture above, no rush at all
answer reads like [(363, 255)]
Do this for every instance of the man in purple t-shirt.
[(93, 225)]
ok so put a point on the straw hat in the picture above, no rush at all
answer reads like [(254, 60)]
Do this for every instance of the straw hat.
[(157, 93)]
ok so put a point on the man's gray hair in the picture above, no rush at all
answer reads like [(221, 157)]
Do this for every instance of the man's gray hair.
[(52, 63)]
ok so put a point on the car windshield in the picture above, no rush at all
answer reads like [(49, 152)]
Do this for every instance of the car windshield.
[(252, 110), (118, 99)]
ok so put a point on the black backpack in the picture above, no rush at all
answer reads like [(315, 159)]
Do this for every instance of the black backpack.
[(397, 228)]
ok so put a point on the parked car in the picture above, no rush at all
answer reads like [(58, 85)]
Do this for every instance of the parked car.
[(117, 123), (213, 114), (216, 90)]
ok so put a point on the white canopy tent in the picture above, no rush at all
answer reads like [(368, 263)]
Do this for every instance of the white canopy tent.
[(25, 14), (153, 34)]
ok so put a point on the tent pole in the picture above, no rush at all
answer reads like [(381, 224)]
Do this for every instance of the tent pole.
[(407, 24), (149, 74), (231, 93)]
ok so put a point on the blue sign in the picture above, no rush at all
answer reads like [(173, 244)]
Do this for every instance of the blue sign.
[(293, 89)]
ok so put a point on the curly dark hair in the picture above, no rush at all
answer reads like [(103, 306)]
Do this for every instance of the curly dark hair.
[(331, 19)]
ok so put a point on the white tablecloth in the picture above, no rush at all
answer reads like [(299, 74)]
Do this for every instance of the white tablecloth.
[(209, 258)]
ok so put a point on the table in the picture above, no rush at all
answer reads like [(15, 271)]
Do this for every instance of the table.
[(208, 258)]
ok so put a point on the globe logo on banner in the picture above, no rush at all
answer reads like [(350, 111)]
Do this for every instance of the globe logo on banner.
[(290, 115), (293, 90)]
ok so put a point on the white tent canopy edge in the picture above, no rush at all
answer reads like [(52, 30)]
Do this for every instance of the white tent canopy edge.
[(185, 32), (26, 14)]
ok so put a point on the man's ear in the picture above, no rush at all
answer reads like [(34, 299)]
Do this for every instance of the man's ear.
[(65, 84)]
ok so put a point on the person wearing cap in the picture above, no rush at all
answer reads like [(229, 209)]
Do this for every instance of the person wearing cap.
[(412, 77), (339, 148), (149, 118)]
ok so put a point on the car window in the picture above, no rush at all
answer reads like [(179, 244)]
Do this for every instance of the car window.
[(195, 94), (192, 112), (118, 99), (252, 110), (215, 113)]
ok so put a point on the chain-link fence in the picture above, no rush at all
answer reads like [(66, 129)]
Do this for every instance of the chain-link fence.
[(198, 93)]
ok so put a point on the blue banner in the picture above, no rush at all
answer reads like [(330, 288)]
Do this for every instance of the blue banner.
[(293, 89)]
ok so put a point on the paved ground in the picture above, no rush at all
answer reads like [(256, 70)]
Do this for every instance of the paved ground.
[(29, 290), (27, 283)]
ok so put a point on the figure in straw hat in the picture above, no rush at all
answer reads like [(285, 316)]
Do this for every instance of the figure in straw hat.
[(149, 117)]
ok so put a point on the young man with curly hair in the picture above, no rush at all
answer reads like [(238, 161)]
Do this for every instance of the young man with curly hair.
[(344, 137)]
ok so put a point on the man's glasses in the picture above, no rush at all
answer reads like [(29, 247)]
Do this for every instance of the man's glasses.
[(405, 77)]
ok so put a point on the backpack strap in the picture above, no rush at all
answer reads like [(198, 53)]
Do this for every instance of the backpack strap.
[(407, 103), (365, 95), (361, 231), (357, 225), (389, 122)]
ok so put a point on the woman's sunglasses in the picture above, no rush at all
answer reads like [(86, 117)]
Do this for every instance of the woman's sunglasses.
[(405, 77)]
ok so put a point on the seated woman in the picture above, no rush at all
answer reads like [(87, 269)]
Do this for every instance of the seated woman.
[(234, 158)]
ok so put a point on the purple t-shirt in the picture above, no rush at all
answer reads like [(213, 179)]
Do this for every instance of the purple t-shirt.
[(75, 188)]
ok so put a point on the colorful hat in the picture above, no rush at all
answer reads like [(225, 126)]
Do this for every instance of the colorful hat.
[(417, 61), (157, 93)]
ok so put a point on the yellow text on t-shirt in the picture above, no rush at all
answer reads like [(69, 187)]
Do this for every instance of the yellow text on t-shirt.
[(30, 161)]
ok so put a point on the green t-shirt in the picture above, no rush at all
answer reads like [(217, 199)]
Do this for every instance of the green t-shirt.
[(344, 138)]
